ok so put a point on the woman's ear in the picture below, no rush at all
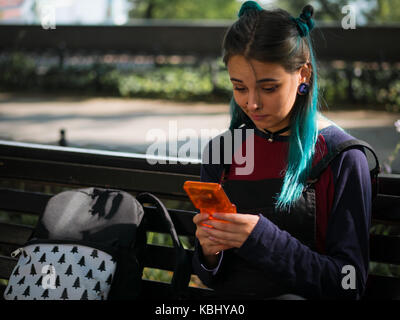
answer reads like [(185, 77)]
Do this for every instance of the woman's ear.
[(305, 73)]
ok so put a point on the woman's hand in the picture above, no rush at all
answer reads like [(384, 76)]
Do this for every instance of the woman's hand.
[(232, 234), (210, 248)]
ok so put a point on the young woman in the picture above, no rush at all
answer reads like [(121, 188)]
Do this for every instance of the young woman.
[(300, 229)]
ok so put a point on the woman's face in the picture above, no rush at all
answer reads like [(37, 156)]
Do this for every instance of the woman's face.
[(266, 92)]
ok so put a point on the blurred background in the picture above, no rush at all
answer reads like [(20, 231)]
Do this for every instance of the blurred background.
[(103, 73)]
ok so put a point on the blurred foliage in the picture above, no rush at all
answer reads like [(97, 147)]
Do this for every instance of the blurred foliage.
[(372, 11), (385, 11), (343, 85), (18, 70), (183, 9), (24, 219)]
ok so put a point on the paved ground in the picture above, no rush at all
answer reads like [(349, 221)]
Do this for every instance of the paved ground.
[(129, 124)]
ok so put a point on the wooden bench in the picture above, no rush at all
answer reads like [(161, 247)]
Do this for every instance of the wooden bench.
[(30, 174)]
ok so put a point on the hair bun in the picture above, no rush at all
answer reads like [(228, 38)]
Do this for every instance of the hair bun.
[(307, 12), (304, 22), (247, 6)]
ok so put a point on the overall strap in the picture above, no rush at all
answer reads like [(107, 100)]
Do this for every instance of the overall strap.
[(320, 167)]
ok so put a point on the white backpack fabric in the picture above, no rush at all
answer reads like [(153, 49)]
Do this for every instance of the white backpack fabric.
[(61, 272)]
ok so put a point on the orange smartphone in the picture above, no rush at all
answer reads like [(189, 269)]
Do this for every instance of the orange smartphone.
[(208, 197)]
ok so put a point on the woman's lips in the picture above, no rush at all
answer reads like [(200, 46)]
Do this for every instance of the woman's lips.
[(258, 117)]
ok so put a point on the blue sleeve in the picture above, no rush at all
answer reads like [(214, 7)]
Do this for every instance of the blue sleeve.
[(206, 275), (314, 275)]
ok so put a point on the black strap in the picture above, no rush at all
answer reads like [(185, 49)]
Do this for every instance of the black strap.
[(320, 167), (273, 135), (182, 272)]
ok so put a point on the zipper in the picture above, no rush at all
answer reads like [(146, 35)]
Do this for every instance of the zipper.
[(17, 252), (107, 249)]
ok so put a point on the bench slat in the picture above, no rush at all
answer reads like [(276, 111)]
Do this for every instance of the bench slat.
[(389, 184), (14, 234), (7, 265), (99, 176), (2, 289), (162, 257), (35, 203), (385, 248), (46, 153), (23, 201), (183, 221), (382, 288), (386, 207)]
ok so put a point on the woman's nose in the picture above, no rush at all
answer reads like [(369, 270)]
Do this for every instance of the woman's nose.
[(254, 101)]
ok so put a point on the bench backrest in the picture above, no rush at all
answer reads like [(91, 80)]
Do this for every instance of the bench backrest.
[(30, 174)]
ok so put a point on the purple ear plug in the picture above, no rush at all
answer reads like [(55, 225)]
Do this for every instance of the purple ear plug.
[(303, 89)]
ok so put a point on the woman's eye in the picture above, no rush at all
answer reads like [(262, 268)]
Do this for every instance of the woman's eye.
[(239, 89), (272, 89)]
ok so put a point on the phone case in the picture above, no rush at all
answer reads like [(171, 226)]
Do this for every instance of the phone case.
[(208, 197)]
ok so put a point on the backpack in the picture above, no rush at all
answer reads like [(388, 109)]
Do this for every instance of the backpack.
[(317, 170), (90, 244)]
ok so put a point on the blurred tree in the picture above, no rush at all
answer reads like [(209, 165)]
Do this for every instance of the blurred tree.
[(184, 9), (331, 10), (385, 11), (326, 10), (293, 7)]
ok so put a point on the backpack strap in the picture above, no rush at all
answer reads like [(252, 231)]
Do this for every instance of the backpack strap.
[(320, 167), (182, 272)]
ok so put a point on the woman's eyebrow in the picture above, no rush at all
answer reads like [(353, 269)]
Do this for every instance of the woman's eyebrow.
[(258, 81), (267, 80)]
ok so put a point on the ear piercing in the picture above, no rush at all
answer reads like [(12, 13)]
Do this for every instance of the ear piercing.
[(303, 89)]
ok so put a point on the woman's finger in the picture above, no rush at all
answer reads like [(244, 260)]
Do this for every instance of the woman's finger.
[(214, 247), (198, 218), (238, 218), (223, 226), (226, 243), (211, 246), (219, 234)]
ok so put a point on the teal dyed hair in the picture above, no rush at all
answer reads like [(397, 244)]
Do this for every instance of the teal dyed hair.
[(249, 5), (303, 137), (275, 36)]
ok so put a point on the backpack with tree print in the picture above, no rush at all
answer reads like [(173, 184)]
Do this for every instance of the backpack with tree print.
[(90, 244)]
